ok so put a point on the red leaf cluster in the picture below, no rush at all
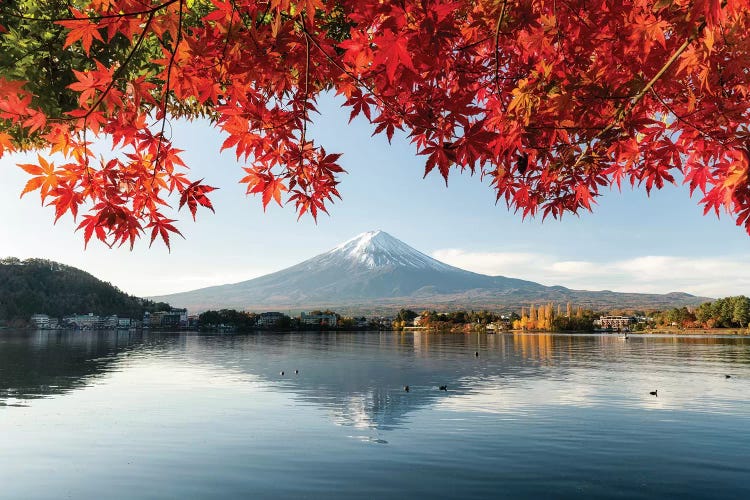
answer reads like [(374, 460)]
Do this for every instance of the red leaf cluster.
[(549, 101)]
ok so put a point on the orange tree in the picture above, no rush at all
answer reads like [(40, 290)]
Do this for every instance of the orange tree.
[(548, 100)]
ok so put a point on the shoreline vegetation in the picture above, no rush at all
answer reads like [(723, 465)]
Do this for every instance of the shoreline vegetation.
[(734, 332), (725, 316), (541, 319)]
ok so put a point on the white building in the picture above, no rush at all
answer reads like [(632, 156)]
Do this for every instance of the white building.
[(615, 322), (318, 319), (110, 322), (40, 320), (83, 321)]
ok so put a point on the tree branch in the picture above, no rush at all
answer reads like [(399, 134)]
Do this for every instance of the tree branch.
[(97, 18), (166, 89), (626, 107), (500, 19)]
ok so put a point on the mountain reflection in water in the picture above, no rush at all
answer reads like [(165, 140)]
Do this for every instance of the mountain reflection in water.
[(359, 378)]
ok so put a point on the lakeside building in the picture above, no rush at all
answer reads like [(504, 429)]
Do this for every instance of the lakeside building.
[(321, 319), (614, 322), (110, 322), (361, 322), (269, 319), (41, 321), (174, 318), (88, 321)]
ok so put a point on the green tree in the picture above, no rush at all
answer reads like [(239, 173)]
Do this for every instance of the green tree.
[(406, 315), (741, 311)]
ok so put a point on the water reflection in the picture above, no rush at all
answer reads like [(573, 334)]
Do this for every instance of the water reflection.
[(359, 378), (46, 363), (205, 416)]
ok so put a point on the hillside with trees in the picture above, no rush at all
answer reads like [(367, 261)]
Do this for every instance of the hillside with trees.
[(43, 286)]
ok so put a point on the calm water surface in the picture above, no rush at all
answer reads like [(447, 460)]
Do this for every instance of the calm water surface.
[(126, 415)]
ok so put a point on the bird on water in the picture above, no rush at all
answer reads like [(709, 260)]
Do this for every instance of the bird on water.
[(406, 388), (282, 374), (727, 376), (443, 387), (296, 372), (653, 393), (476, 353)]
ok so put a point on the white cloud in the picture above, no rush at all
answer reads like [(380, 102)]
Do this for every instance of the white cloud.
[(716, 276)]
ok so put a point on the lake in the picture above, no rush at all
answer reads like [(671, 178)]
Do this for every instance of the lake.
[(177, 416)]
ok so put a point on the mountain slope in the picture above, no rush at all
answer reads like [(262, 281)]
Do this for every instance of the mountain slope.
[(376, 272), (42, 286)]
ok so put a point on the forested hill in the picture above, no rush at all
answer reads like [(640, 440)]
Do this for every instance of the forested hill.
[(42, 286)]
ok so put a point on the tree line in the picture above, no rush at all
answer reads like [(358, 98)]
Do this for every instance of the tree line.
[(547, 317), (451, 321), (243, 321), (726, 312)]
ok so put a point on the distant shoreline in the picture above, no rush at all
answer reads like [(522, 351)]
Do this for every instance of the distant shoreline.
[(698, 331), (739, 332)]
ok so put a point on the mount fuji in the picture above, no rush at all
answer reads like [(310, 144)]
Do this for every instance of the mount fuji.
[(375, 272)]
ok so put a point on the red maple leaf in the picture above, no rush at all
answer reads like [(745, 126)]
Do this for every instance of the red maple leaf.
[(393, 53), (162, 227), (194, 195), (45, 178), (81, 29)]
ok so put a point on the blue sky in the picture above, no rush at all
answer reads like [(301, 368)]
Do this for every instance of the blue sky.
[(630, 243)]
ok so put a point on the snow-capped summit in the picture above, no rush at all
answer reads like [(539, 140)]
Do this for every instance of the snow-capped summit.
[(375, 249)]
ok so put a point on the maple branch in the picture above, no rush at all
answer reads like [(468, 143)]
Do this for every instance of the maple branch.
[(152, 10), (471, 45), (625, 107), (122, 67), (166, 89), (660, 73), (684, 120), (229, 31), (307, 78), (387, 105), (86, 152), (561, 127), (497, 45), (577, 15), (111, 84), (261, 18), (226, 43)]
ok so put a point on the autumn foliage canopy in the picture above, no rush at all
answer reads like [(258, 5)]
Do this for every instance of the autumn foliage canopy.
[(550, 101)]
